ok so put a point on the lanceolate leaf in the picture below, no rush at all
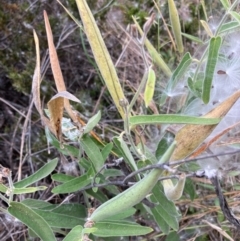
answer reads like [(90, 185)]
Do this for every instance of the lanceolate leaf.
[(101, 55), (92, 151), (176, 27), (38, 175), (226, 4), (171, 119), (181, 69), (74, 184), (177, 75), (125, 152), (165, 208), (59, 220), (115, 229), (31, 219), (236, 16), (214, 47), (150, 87), (28, 189), (229, 27), (92, 122)]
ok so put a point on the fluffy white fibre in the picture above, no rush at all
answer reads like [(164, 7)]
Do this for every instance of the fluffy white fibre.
[(210, 173), (226, 81)]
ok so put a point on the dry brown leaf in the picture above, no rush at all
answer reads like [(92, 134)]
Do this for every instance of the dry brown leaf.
[(191, 136), (36, 85), (57, 73), (55, 107)]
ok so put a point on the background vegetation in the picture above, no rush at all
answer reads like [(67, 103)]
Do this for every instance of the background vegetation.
[(23, 143)]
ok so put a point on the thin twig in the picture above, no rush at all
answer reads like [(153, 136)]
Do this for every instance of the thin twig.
[(223, 203)]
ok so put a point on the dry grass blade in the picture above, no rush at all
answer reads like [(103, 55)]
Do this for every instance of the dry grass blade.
[(222, 232), (37, 77), (36, 85), (24, 134)]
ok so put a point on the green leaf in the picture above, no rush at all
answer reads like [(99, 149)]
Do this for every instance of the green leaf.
[(35, 203), (214, 47), (150, 87), (70, 209), (107, 150), (3, 188), (28, 189), (177, 75), (190, 189), (193, 38), (31, 219), (226, 4), (171, 119), (162, 224), (181, 69), (165, 207), (196, 86), (115, 229), (92, 151), (191, 84), (173, 236), (97, 180), (75, 184), (163, 144), (125, 152), (236, 16), (59, 220), (92, 122), (229, 27), (38, 175), (175, 24), (75, 234), (148, 154), (97, 195), (113, 173), (60, 177), (84, 164)]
